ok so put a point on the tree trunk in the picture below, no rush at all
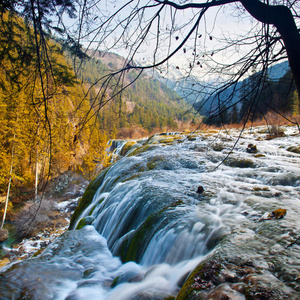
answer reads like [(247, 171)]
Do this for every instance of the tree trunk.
[(37, 165), (9, 183), (36, 175), (281, 17)]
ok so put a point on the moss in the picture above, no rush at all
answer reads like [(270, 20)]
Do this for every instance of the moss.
[(164, 139), (257, 189), (88, 272), (142, 149), (170, 139), (38, 252), (239, 163), (91, 211), (84, 221), (151, 139), (133, 177), (204, 277), (115, 282), (259, 155), (127, 147), (153, 163), (87, 197), (134, 245), (137, 241)]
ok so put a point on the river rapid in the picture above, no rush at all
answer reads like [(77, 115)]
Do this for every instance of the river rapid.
[(147, 226)]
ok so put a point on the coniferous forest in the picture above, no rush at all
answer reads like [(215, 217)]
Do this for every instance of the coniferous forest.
[(59, 112), (149, 149), (53, 120)]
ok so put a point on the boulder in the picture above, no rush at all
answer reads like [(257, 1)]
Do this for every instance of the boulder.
[(251, 148), (277, 213), (200, 189)]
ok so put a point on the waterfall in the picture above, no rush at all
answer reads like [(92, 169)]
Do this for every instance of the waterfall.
[(148, 225)]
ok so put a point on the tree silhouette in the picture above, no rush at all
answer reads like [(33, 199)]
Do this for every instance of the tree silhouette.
[(172, 29), (167, 29)]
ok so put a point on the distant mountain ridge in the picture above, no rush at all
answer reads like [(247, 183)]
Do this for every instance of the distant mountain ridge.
[(197, 92), (145, 102)]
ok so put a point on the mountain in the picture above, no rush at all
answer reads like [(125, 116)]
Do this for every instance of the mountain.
[(279, 70), (146, 102), (198, 93)]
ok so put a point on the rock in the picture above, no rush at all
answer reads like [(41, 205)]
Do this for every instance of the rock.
[(3, 235), (251, 148), (224, 292), (277, 213), (204, 277), (274, 215), (4, 261), (200, 189)]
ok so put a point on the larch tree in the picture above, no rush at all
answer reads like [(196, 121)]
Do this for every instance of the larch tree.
[(154, 33)]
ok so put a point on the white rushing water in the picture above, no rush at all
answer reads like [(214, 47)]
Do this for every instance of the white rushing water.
[(148, 214)]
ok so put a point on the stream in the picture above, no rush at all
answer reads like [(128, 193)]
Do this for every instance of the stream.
[(148, 226)]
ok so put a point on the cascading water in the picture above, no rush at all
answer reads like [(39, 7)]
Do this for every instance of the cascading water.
[(148, 226)]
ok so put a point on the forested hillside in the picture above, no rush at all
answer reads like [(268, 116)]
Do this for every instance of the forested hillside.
[(254, 98), (145, 106), (54, 119), (42, 111)]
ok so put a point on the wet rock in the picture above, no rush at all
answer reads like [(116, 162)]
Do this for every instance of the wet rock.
[(274, 215), (224, 292), (277, 213), (204, 277), (85, 221), (264, 217), (129, 276), (217, 147), (230, 276), (248, 263), (200, 189), (88, 272), (251, 148), (275, 133), (150, 296), (3, 235), (239, 162), (259, 288), (182, 280), (192, 138), (294, 149)]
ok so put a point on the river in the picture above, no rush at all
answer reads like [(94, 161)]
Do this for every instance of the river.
[(148, 225)]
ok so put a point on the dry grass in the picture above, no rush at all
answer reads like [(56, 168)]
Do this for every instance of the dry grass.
[(137, 132), (271, 119)]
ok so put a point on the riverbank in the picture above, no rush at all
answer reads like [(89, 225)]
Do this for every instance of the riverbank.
[(37, 225)]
